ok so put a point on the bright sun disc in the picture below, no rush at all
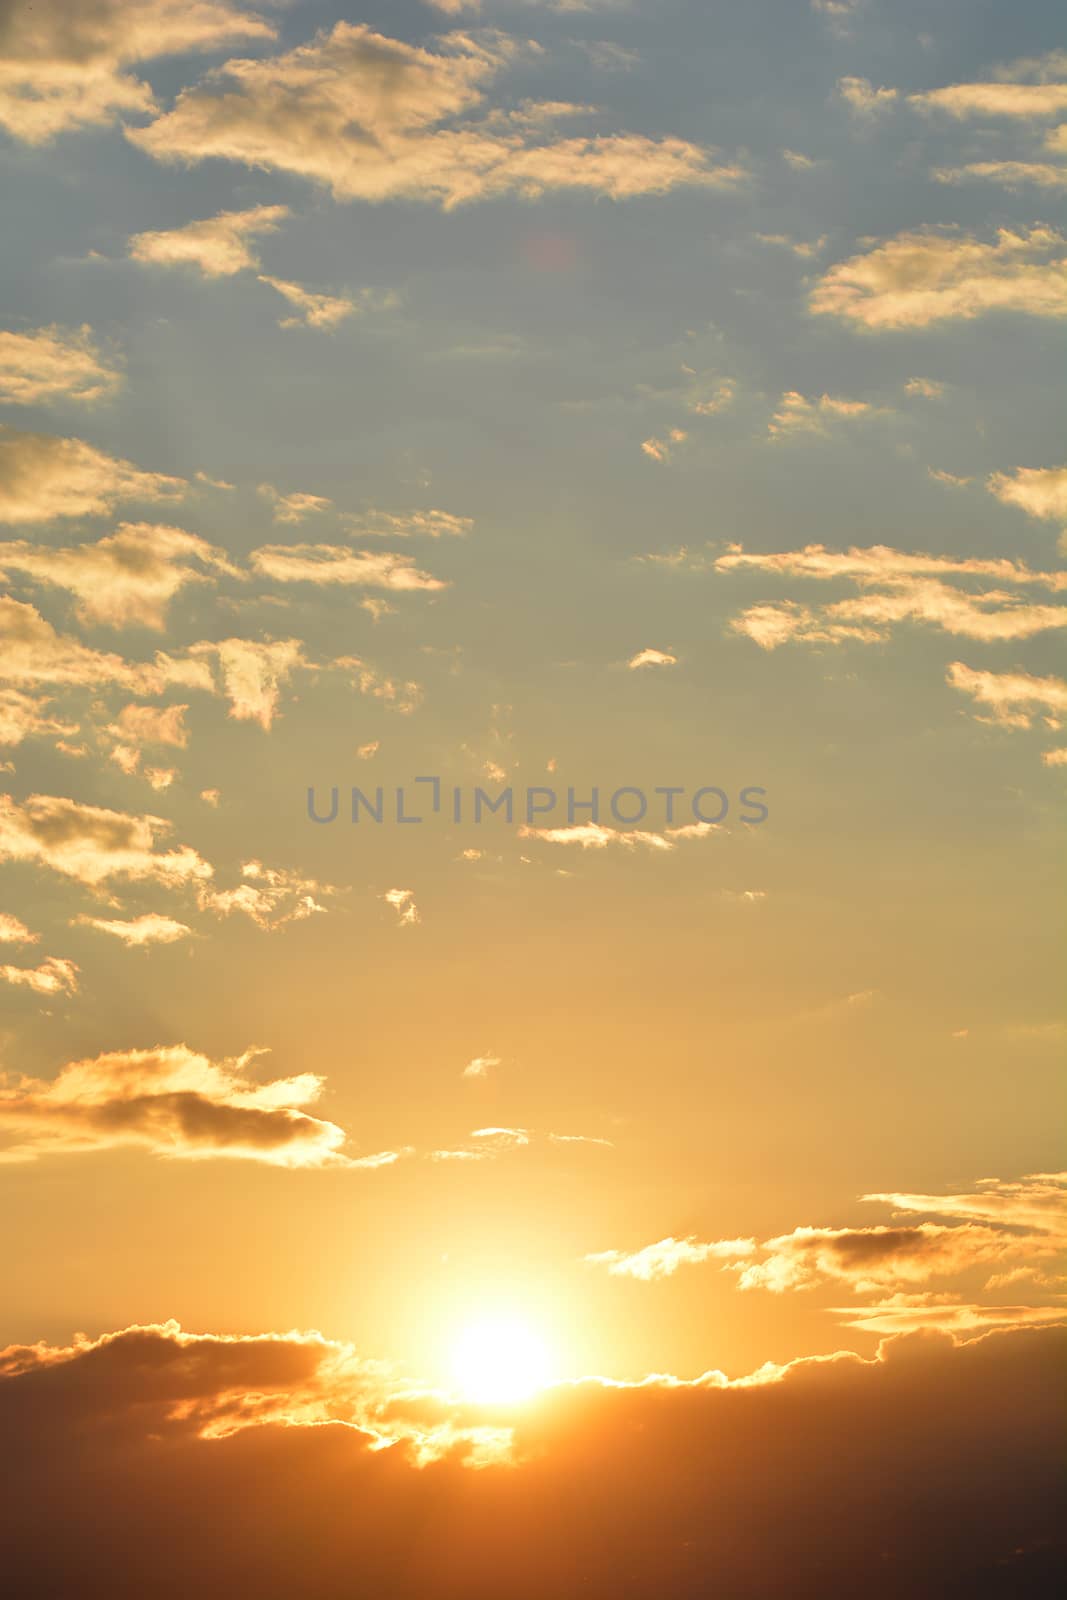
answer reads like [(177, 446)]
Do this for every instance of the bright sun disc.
[(500, 1361)]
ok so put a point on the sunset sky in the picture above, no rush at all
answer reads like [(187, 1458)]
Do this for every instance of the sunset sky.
[(546, 396)]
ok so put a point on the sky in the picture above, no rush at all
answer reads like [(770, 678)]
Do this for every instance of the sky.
[(608, 456)]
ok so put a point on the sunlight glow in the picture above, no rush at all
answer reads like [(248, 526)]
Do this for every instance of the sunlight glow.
[(500, 1360)]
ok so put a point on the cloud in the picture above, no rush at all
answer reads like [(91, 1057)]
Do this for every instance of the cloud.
[(652, 658), (480, 1067), (899, 586), (24, 716), (862, 98), (172, 1102), (432, 524), (403, 903), (138, 932), (1026, 101), (33, 653), (216, 246), (924, 388), (1005, 1223), (403, 697), (875, 1258), (501, 1138), (795, 414), (1013, 698), (805, 248), (14, 931), (375, 118), (662, 1260), (61, 67), (918, 279), (1039, 491), (594, 836), (1011, 174), (128, 578), (991, 616), (1033, 1205), (898, 1314), (253, 671), (43, 477), (580, 1138), (52, 977), (141, 725), (293, 507), (880, 563), (333, 564), (249, 673), (53, 365), (271, 897), (93, 845), (662, 450), (930, 1469), (312, 310)]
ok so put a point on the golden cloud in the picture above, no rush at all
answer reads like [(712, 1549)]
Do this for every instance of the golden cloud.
[(917, 279), (216, 246), (375, 118)]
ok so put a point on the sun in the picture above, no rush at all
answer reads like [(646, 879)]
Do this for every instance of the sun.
[(500, 1360)]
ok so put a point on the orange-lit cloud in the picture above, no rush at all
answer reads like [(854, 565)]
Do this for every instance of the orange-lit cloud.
[(253, 673), (43, 477), (53, 976), (1013, 699), (1016, 1226), (92, 844), (662, 1260), (651, 657), (271, 897), (128, 578), (24, 716), (1039, 491), (375, 118), (294, 507), (137, 933), (930, 1468), (172, 1102), (14, 931), (67, 67), (315, 310), (327, 564), (54, 364), (432, 524), (216, 246), (917, 279), (798, 415)]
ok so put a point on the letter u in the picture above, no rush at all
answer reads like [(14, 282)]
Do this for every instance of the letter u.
[(334, 801)]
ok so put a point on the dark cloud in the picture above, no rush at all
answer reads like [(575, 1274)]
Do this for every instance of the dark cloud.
[(153, 1462)]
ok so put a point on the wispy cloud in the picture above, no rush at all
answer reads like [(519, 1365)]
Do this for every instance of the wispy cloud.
[(327, 564), (312, 309), (216, 246), (55, 364), (1013, 699), (128, 578), (662, 1259), (137, 933), (43, 477), (52, 977)]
